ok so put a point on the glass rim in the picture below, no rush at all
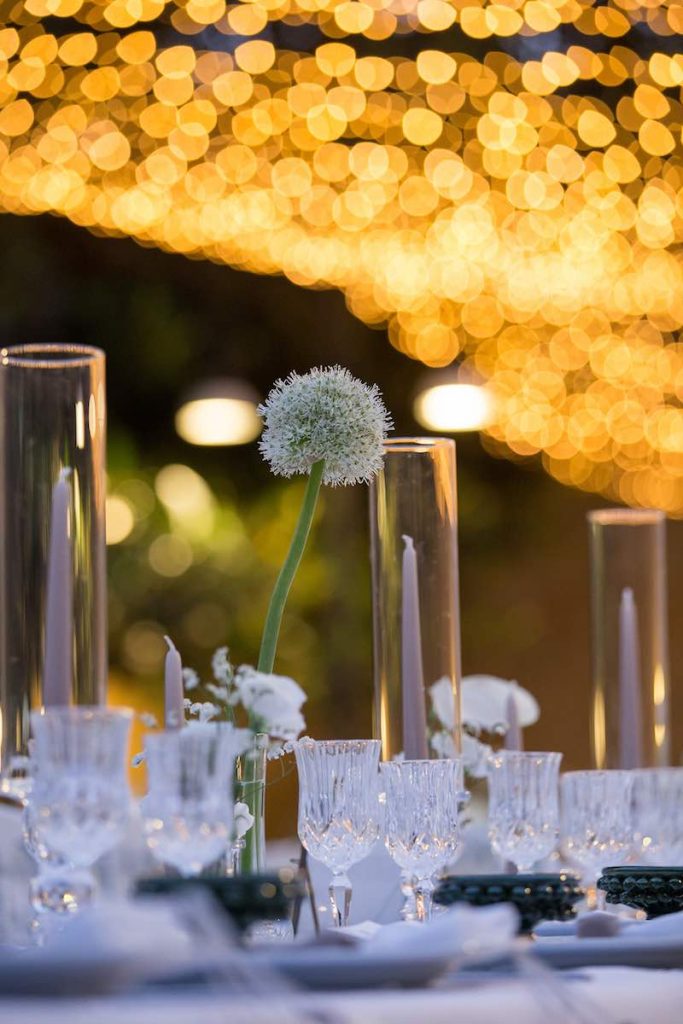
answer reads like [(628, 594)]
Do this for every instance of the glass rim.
[(457, 760), (82, 712), (54, 356), (526, 754), (626, 516), (308, 741), (594, 772), (215, 732), (416, 444)]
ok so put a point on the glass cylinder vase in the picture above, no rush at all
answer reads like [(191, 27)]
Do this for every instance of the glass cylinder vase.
[(416, 621), (629, 638), (249, 853), (53, 643)]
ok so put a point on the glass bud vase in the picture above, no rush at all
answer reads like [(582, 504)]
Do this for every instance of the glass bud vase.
[(416, 621), (629, 638), (249, 853), (52, 538)]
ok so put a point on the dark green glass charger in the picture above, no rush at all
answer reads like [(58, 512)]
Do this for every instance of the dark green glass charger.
[(247, 899), (656, 890), (542, 897)]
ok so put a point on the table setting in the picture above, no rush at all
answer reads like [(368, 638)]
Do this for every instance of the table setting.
[(439, 867)]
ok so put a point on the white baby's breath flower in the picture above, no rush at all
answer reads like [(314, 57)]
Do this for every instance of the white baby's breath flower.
[(221, 666), (275, 701), (325, 414), (443, 744), (244, 819), (219, 693), (475, 755), (443, 702), (190, 679), (484, 702), (204, 711), (148, 720)]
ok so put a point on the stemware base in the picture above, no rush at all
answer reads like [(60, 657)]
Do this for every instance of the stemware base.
[(61, 890)]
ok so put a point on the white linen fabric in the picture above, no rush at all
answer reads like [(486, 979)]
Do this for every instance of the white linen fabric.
[(609, 995)]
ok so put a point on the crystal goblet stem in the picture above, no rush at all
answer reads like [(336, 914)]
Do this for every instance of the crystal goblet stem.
[(423, 889), (340, 897)]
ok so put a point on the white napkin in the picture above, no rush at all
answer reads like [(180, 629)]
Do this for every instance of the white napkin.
[(460, 932), (144, 929), (601, 924)]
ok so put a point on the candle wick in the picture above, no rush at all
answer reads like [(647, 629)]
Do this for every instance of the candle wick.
[(408, 541), (65, 472), (171, 646)]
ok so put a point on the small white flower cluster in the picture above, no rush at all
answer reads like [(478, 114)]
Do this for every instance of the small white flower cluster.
[(325, 414), (244, 819), (484, 708), (272, 703)]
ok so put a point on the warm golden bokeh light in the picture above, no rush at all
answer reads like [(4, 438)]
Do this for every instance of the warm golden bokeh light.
[(524, 214), (218, 421), (453, 407), (120, 519)]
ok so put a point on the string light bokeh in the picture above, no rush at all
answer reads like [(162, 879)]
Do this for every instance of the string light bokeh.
[(498, 182)]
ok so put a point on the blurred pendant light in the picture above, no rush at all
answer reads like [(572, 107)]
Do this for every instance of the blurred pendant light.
[(451, 401), (219, 411)]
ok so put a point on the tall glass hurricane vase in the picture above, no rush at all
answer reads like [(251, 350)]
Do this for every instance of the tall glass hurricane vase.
[(630, 660), (414, 551), (52, 536)]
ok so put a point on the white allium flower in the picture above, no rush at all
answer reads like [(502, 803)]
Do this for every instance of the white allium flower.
[(325, 414), (244, 819)]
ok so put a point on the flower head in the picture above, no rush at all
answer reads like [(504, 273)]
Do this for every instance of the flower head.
[(325, 414), (484, 702), (244, 819), (274, 701)]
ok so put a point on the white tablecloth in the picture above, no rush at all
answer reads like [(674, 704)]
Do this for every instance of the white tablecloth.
[(607, 995)]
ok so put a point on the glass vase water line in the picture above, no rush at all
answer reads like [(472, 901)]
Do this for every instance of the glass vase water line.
[(52, 425), (629, 639), (416, 619), (249, 853)]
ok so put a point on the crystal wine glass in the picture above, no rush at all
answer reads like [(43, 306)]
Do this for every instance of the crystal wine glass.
[(79, 802), (338, 808), (658, 814), (422, 801), (597, 821), (524, 811), (188, 811)]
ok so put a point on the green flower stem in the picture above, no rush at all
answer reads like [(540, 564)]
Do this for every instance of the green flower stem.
[(271, 629)]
